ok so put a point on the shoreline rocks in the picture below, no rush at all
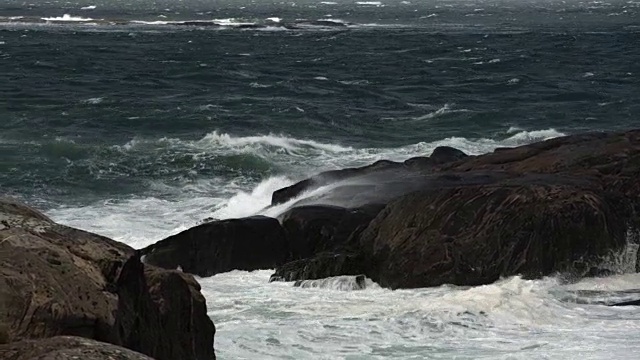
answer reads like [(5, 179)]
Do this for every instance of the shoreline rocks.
[(558, 206), (56, 280), (251, 243)]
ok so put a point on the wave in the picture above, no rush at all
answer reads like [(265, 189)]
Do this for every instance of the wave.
[(267, 24), (341, 283), (68, 18)]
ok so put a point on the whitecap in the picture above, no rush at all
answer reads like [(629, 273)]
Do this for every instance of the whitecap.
[(280, 141), (93, 101), (90, 7), (274, 19), (69, 18)]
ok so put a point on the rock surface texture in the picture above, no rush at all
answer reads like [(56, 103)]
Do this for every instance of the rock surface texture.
[(238, 244), (56, 280), (65, 348)]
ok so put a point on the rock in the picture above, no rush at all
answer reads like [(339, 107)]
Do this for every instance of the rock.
[(237, 244), (66, 347), (627, 303), (151, 313), (56, 280), (473, 235), (285, 194), (446, 154), (317, 228), (441, 155), (344, 283), (321, 266)]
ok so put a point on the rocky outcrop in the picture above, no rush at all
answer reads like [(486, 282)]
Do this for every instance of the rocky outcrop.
[(56, 280), (162, 313), (314, 229), (237, 244), (475, 235), (65, 348), (561, 205)]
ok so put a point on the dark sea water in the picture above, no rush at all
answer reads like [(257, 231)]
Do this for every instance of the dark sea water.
[(135, 119)]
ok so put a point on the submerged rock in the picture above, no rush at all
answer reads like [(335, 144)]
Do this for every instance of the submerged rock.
[(56, 280), (344, 283), (252, 243), (320, 266)]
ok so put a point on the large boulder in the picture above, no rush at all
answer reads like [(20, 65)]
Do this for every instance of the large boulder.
[(158, 309), (65, 348), (252, 243), (318, 228), (475, 234), (56, 280)]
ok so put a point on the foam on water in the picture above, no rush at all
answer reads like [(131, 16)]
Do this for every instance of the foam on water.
[(67, 18), (512, 318)]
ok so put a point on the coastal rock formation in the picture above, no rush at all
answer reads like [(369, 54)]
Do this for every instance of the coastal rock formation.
[(475, 235), (237, 244), (65, 348), (56, 280), (561, 205), (316, 228)]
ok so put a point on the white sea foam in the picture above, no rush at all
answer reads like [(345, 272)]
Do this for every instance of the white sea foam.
[(90, 7), (93, 101), (510, 319), (68, 18), (282, 142)]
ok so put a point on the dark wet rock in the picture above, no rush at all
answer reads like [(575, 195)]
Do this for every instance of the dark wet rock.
[(627, 303), (252, 243), (56, 280), (320, 266), (317, 228), (473, 235), (151, 313), (344, 283), (65, 348), (446, 154)]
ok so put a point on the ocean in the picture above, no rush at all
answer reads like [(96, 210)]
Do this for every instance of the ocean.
[(136, 119)]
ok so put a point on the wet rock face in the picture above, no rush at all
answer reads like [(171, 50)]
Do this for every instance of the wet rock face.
[(320, 266), (314, 229), (56, 280), (65, 348), (237, 244), (474, 235)]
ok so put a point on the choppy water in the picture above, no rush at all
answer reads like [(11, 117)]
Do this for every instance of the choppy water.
[(136, 119)]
